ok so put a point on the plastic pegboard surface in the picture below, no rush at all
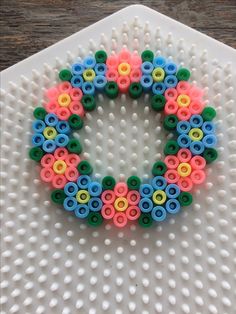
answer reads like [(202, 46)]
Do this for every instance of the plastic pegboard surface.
[(52, 263)]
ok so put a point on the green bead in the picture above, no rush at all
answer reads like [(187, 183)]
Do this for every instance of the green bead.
[(135, 90), (84, 167), (158, 102), (208, 113), (88, 102), (75, 122), (170, 122), (159, 168), (58, 196), (74, 146), (111, 90), (133, 183), (171, 148), (94, 219), (185, 198), (101, 56), (145, 220), (36, 153), (65, 75), (40, 113), (108, 183), (147, 55), (183, 74), (210, 154)]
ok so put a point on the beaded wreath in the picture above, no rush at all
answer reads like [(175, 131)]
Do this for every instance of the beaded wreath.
[(186, 156)]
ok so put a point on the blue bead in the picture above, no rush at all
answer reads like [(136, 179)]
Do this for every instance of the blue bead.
[(95, 204), (99, 82), (183, 127), (88, 88), (208, 127), (81, 211), (94, 189), (145, 205), (63, 127), (37, 139), (146, 190), (38, 126), (196, 147), (159, 62), (49, 146), (100, 69), (71, 189), (61, 140), (170, 68), (51, 119), (83, 182), (158, 88), (147, 67), (172, 191), (196, 121), (77, 69), (209, 141), (158, 213), (170, 81), (77, 81), (70, 203), (172, 206), (146, 82), (184, 140), (159, 183), (89, 62)]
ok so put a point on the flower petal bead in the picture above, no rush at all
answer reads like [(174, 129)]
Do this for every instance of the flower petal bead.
[(159, 168), (124, 69), (94, 219), (108, 183), (51, 119), (146, 82), (61, 153), (133, 183), (135, 90), (172, 176), (100, 69), (52, 106), (59, 181), (197, 148), (196, 121), (209, 141), (49, 146), (38, 126), (210, 154), (81, 211), (95, 189), (124, 56), (77, 108), (70, 203), (145, 205), (88, 102), (77, 69), (89, 62), (185, 184), (133, 213), (158, 102), (83, 182), (170, 81), (120, 219), (171, 148), (158, 88), (185, 199), (198, 176), (95, 204), (39, 113), (38, 140), (184, 169), (195, 93), (112, 62), (108, 211), (100, 82), (158, 213), (183, 114), (111, 90), (183, 74), (133, 197), (135, 61), (82, 196), (184, 155), (36, 153), (70, 189), (84, 167), (77, 81), (63, 113), (183, 87), (198, 162), (172, 206), (75, 122), (76, 94), (159, 62), (172, 191), (171, 94), (112, 75), (170, 68), (135, 75), (159, 197), (121, 204), (171, 162), (170, 122), (146, 190), (196, 107), (147, 67), (171, 107), (88, 88), (59, 167), (46, 174), (121, 189), (123, 83), (58, 196), (145, 220), (108, 197), (100, 56), (72, 160), (64, 87), (183, 127), (158, 75), (159, 183), (89, 75), (147, 55), (61, 140), (71, 174), (65, 75), (208, 127), (183, 100), (74, 146)]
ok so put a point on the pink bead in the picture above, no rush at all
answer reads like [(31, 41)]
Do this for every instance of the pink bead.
[(108, 211), (71, 174), (112, 62), (52, 106), (171, 162), (112, 75), (183, 87), (47, 161), (171, 176), (72, 160), (198, 176), (77, 108), (61, 153), (196, 107), (135, 75), (198, 163), (124, 56), (133, 212), (171, 107), (135, 61), (133, 197), (46, 174), (184, 155), (195, 93), (63, 113), (108, 197), (120, 219), (121, 189), (59, 181), (76, 94), (123, 83), (183, 114), (52, 93), (64, 87), (185, 184), (171, 94)]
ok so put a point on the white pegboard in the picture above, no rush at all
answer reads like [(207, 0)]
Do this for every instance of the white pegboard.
[(52, 263)]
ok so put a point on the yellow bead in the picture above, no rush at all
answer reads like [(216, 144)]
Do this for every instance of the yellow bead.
[(59, 166), (64, 100), (50, 133), (195, 134), (82, 196), (184, 169), (121, 204), (159, 197), (89, 75), (183, 100), (124, 68), (158, 75)]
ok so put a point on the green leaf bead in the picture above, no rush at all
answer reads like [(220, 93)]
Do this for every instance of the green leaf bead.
[(133, 183), (183, 74), (94, 219), (84, 167), (75, 122), (170, 122), (108, 183), (36, 153), (158, 102), (135, 90), (58, 196), (159, 168), (210, 155), (171, 148), (88, 102), (147, 55), (101, 56), (111, 90), (65, 75), (40, 113), (74, 146), (185, 199), (145, 220)]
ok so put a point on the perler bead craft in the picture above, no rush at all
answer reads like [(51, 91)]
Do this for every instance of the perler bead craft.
[(172, 179)]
